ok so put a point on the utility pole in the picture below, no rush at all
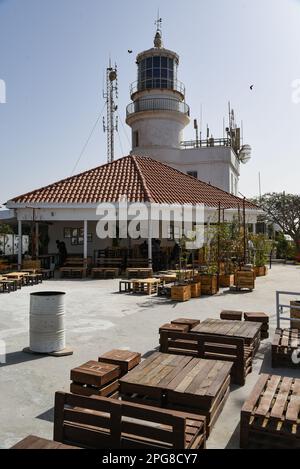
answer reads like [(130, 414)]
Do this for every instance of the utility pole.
[(110, 126)]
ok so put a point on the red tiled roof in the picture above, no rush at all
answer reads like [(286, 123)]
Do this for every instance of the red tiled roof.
[(139, 179)]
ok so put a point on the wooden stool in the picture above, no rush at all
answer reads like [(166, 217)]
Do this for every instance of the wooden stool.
[(94, 378), (231, 315), (186, 322), (174, 328), (259, 317), (125, 359)]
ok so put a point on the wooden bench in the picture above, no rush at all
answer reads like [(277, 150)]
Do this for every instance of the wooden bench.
[(101, 423), (35, 442), (270, 416), (285, 344), (73, 272), (139, 272), (105, 272), (212, 347)]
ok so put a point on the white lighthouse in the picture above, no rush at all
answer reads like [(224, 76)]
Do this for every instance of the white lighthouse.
[(158, 115)]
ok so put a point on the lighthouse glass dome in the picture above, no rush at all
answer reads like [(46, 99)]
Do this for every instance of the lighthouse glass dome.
[(157, 72)]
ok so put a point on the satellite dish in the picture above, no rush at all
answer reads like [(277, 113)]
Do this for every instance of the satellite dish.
[(245, 154)]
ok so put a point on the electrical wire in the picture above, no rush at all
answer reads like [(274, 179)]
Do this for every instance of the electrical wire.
[(88, 140), (124, 130)]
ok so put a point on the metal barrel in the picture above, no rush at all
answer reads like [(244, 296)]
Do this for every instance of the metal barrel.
[(47, 322)]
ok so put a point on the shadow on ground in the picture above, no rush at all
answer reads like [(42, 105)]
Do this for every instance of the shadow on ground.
[(15, 358)]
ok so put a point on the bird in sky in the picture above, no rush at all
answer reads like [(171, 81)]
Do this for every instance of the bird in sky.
[(251, 87), (129, 51)]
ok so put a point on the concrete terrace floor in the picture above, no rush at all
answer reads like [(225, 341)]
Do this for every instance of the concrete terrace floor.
[(98, 319)]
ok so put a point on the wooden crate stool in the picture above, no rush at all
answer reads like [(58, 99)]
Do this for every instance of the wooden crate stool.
[(270, 416), (186, 322), (259, 317), (286, 344), (124, 359), (229, 315), (174, 328), (94, 378)]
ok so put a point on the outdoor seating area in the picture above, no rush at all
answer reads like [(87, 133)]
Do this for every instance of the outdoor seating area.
[(13, 281)]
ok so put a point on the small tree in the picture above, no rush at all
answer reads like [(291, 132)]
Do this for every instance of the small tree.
[(283, 210), (5, 230)]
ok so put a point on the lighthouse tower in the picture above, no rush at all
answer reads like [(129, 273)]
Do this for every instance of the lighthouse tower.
[(158, 112)]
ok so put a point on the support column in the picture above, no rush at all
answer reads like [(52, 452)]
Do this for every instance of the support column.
[(254, 228), (85, 245), (37, 240), (20, 245), (149, 240)]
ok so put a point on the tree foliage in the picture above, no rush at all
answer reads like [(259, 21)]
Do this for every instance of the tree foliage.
[(284, 210)]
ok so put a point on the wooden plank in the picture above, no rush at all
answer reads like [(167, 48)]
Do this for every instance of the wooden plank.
[(281, 399), (293, 409), (253, 399), (267, 397)]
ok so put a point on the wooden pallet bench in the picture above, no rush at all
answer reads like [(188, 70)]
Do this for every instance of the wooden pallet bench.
[(35, 442), (270, 417), (95, 379), (8, 286), (183, 383), (73, 272), (139, 272), (285, 344), (105, 272), (101, 423), (228, 349), (263, 318)]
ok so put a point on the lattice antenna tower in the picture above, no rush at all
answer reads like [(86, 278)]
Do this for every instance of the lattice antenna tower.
[(110, 124)]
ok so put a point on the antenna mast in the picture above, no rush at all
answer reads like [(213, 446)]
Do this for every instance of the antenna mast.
[(111, 124)]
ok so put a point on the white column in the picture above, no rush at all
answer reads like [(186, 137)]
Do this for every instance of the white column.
[(149, 239), (254, 228), (20, 245), (85, 245), (37, 240)]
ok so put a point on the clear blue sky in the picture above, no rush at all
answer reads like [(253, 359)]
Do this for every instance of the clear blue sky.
[(53, 54)]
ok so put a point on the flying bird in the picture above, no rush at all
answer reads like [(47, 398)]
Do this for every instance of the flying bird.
[(251, 87), (129, 51)]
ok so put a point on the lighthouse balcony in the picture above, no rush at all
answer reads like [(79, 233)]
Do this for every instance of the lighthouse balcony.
[(157, 84), (157, 104)]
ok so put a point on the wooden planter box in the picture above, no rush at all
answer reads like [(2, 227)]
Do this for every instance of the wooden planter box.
[(261, 271), (181, 292), (226, 280), (195, 289), (244, 279), (209, 284)]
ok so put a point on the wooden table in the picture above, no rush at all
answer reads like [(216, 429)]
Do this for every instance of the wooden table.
[(249, 331), (147, 285), (179, 382)]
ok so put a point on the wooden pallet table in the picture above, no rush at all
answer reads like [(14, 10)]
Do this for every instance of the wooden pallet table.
[(8, 286), (125, 286), (249, 331), (270, 417), (94, 378), (125, 359), (148, 285), (263, 318), (182, 383), (286, 344), (229, 315)]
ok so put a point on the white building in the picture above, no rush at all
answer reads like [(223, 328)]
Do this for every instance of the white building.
[(158, 115)]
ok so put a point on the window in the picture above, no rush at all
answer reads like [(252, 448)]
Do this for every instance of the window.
[(135, 139), (193, 173), (156, 72)]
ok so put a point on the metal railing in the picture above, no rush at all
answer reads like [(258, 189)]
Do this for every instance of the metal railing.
[(157, 83), (210, 142), (281, 306), (157, 104)]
